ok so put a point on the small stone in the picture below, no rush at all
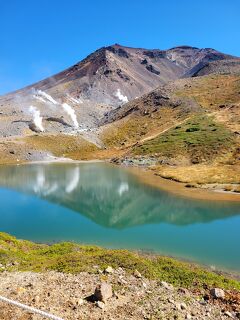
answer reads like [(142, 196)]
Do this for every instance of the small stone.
[(171, 301), (137, 274), (109, 269), (20, 290), (166, 285), (228, 314), (103, 291), (36, 299), (183, 290), (100, 304), (217, 293), (183, 306), (80, 302), (188, 316)]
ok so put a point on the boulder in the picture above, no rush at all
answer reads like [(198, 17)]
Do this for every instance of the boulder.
[(217, 293), (103, 292)]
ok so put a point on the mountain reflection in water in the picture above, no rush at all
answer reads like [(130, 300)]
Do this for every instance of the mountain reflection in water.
[(110, 196)]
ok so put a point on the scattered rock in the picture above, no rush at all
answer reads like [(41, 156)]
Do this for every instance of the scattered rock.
[(137, 274), (181, 306), (69, 297), (217, 293), (36, 299), (166, 285), (80, 302), (183, 290), (109, 269), (103, 292), (171, 301), (228, 314), (20, 290), (100, 304)]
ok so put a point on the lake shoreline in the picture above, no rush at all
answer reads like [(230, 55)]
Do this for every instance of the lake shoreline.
[(66, 275), (29, 251), (149, 177)]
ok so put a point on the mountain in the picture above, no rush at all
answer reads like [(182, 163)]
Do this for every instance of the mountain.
[(133, 71), (78, 97)]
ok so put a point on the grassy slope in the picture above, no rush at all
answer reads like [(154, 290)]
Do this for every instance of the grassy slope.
[(213, 90), (133, 128), (69, 257), (200, 138), (210, 154)]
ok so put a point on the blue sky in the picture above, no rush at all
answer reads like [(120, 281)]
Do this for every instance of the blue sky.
[(41, 37)]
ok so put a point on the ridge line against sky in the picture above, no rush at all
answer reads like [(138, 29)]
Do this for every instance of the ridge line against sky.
[(41, 38)]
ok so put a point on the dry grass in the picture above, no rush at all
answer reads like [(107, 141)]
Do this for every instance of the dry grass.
[(201, 174), (214, 90), (61, 145)]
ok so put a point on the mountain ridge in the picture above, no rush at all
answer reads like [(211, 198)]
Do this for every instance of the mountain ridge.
[(179, 58)]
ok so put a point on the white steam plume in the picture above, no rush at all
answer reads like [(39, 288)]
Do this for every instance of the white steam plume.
[(40, 95), (121, 97), (46, 96), (37, 119), (40, 98), (70, 111)]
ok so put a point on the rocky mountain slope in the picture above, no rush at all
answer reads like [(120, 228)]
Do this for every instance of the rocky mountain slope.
[(134, 71)]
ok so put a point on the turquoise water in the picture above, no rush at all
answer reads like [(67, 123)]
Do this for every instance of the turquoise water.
[(96, 203)]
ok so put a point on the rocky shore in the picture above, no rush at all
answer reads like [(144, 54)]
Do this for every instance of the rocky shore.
[(111, 294)]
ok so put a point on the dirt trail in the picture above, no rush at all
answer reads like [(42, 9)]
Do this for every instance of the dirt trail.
[(158, 132)]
